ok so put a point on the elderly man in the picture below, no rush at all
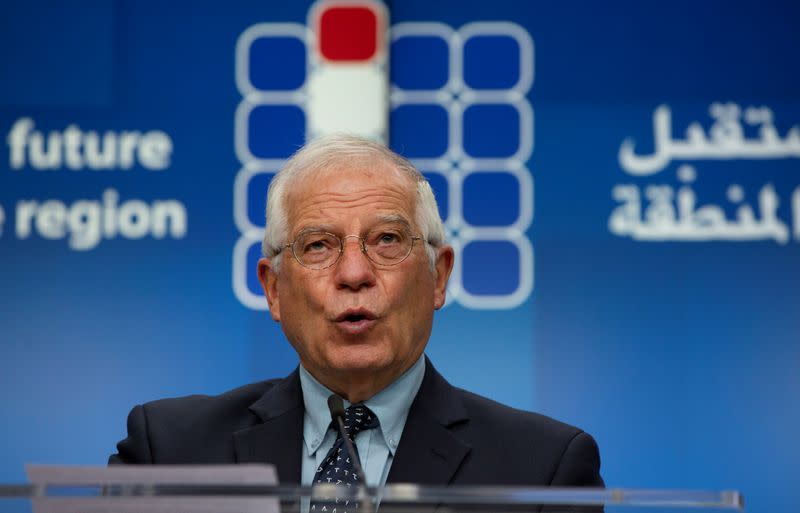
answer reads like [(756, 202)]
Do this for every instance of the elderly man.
[(355, 264)]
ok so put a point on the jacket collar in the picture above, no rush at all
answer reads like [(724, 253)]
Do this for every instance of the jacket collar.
[(429, 452), (278, 438)]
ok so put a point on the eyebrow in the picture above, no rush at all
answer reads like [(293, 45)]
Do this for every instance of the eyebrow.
[(316, 228), (394, 218), (380, 219)]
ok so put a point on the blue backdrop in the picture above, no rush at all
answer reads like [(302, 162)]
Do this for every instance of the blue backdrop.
[(620, 179)]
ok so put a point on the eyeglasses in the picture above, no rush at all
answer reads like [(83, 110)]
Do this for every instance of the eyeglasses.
[(383, 245)]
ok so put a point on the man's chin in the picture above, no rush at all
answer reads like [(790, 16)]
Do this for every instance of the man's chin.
[(360, 363)]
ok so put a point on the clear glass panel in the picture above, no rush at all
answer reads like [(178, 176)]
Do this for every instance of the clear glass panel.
[(177, 498)]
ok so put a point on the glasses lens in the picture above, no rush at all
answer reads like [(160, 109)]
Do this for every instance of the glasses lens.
[(388, 245), (316, 250)]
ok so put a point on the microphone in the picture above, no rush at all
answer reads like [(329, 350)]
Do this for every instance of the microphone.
[(336, 407)]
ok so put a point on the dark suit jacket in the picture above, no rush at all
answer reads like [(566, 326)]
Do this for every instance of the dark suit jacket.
[(451, 437)]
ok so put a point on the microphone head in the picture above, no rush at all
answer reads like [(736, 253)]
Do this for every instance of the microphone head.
[(336, 407)]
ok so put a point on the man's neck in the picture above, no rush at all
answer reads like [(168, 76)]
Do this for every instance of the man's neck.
[(359, 386), (357, 389)]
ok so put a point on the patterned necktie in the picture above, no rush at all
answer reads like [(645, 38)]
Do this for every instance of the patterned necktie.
[(337, 468)]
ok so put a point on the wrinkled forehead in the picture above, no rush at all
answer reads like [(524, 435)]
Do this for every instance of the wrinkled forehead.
[(352, 183)]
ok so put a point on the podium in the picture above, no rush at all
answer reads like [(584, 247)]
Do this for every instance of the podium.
[(254, 489)]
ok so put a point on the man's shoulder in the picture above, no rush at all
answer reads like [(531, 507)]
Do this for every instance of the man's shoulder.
[(237, 399), (487, 417), (193, 428), (492, 415), (508, 440)]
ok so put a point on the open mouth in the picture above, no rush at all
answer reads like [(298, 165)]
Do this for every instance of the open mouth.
[(355, 315), (355, 321)]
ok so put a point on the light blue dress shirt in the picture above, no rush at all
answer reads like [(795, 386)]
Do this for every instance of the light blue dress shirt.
[(376, 447)]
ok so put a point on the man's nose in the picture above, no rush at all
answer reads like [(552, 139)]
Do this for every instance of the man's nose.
[(354, 270)]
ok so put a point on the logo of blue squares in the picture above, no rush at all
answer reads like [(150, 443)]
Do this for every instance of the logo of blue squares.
[(276, 64), (273, 131), (491, 62), (420, 63), (422, 129), (489, 130), (268, 54)]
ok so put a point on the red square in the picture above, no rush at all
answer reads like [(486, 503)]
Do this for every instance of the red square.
[(348, 34)]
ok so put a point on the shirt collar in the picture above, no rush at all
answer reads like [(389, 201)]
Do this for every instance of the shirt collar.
[(317, 417), (391, 405)]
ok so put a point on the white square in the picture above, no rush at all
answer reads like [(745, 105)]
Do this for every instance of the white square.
[(350, 98)]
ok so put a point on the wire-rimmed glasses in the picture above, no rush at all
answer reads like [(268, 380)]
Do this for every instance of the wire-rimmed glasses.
[(318, 249)]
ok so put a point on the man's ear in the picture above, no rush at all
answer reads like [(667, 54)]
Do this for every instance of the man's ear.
[(444, 266), (269, 282)]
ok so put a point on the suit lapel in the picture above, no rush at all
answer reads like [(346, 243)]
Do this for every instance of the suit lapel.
[(278, 438), (429, 452)]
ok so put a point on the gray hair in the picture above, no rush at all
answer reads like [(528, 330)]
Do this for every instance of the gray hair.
[(325, 153)]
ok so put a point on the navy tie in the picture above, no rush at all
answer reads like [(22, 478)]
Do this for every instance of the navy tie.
[(337, 468)]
